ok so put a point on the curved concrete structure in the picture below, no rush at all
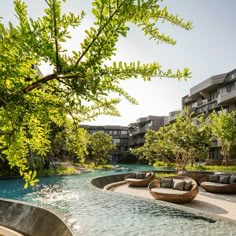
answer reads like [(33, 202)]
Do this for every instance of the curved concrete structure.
[(109, 181), (29, 219), (102, 181)]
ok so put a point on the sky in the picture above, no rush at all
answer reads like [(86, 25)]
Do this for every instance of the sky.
[(208, 49)]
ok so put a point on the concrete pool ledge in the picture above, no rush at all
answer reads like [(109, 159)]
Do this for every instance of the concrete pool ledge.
[(212, 206), (31, 219)]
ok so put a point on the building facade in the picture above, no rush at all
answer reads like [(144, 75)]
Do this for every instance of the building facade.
[(119, 135), (127, 137), (138, 129), (215, 93)]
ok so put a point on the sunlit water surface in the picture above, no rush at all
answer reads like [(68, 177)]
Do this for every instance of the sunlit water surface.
[(92, 212)]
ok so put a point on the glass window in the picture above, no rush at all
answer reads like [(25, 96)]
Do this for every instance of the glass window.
[(116, 140), (124, 132), (115, 132)]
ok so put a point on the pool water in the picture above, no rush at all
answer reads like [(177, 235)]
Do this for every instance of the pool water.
[(92, 212)]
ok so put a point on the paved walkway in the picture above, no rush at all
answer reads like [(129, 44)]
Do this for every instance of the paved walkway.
[(223, 205)]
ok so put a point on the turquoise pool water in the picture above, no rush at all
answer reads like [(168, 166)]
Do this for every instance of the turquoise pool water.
[(93, 212)]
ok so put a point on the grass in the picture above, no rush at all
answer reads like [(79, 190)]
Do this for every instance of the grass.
[(163, 164), (161, 175), (198, 167), (212, 168)]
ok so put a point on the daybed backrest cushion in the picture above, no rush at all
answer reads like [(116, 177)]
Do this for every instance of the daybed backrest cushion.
[(132, 176), (140, 175), (232, 179), (214, 178), (166, 183), (178, 184), (187, 184), (224, 179)]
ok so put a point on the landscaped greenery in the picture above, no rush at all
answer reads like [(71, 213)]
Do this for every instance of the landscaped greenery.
[(189, 139), (212, 168), (58, 171), (180, 143), (95, 167), (100, 145), (81, 81), (223, 126)]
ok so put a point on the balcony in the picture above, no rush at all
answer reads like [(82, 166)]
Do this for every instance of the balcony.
[(137, 141), (139, 130), (188, 100), (226, 97), (206, 106)]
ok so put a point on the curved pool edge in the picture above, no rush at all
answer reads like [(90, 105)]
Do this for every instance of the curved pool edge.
[(102, 181), (31, 219)]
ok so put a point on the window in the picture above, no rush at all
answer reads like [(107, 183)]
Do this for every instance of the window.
[(116, 140), (124, 132), (115, 132)]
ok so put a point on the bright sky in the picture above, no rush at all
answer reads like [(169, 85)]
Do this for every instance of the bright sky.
[(208, 49)]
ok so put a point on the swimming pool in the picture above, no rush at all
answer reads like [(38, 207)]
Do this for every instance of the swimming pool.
[(92, 212)]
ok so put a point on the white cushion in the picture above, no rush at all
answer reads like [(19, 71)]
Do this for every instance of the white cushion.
[(133, 180), (168, 191)]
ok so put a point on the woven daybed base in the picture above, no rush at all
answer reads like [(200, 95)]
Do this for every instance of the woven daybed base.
[(172, 195), (133, 182), (217, 187)]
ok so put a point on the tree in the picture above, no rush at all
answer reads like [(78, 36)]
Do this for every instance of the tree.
[(81, 82), (154, 147), (70, 141), (223, 126), (181, 142), (77, 140), (100, 145)]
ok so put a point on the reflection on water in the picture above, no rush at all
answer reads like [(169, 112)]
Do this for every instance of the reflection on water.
[(93, 212)]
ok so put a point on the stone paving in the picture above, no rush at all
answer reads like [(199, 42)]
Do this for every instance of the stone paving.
[(223, 205)]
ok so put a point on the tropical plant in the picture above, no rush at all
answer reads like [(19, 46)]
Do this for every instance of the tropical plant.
[(81, 81), (223, 126), (182, 142), (100, 145)]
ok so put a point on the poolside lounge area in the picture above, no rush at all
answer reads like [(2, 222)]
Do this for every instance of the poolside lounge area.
[(222, 205)]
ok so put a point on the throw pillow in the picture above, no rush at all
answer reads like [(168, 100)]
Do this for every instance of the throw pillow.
[(214, 178), (140, 175), (187, 184), (166, 183), (224, 179), (232, 179), (148, 174), (178, 184)]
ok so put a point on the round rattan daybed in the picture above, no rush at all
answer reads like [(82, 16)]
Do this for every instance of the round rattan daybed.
[(217, 187), (143, 182), (173, 195)]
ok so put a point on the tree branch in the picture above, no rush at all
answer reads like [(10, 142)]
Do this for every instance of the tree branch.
[(39, 82), (55, 37), (100, 30)]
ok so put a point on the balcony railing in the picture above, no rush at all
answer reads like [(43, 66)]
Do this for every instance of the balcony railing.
[(225, 96), (206, 107)]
